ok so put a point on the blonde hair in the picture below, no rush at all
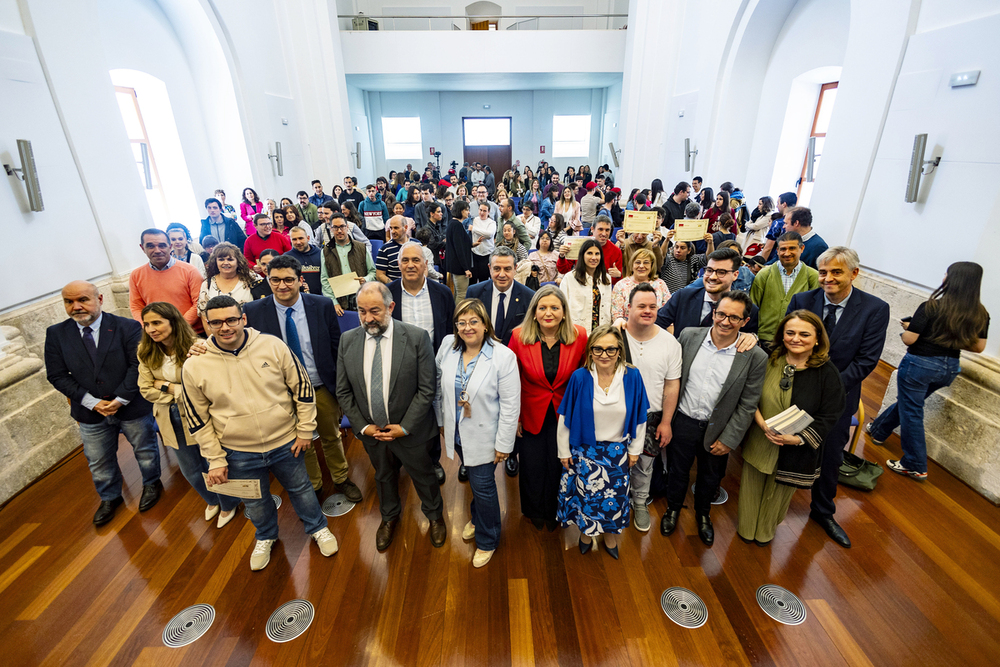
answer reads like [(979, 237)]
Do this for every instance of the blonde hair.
[(643, 253), (531, 331), (596, 335)]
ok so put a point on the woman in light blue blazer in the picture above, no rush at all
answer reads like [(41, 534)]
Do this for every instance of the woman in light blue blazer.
[(478, 404)]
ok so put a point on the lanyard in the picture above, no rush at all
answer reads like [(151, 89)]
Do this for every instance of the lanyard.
[(466, 375)]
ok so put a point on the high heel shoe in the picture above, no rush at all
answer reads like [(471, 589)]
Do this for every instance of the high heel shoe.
[(612, 551), (586, 546)]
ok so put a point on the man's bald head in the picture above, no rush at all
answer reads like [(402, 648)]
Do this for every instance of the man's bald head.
[(82, 302), (397, 228)]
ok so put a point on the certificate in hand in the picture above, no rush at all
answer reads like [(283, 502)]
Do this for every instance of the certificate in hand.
[(575, 243), (237, 488), (639, 222), (344, 285), (690, 230)]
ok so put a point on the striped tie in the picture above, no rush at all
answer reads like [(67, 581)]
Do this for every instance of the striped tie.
[(379, 415)]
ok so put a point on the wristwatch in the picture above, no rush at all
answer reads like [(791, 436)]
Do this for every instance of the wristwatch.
[(165, 387)]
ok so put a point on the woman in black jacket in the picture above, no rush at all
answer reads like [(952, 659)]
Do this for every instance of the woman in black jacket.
[(458, 249), (800, 374)]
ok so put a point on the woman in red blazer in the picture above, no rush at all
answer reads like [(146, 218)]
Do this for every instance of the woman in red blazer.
[(549, 347)]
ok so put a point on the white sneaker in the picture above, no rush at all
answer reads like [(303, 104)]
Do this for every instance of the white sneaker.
[(211, 511), (326, 542), (261, 555), (481, 558), (469, 532)]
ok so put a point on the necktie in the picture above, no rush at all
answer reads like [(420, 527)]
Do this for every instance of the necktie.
[(379, 415), (501, 315), (830, 321), (292, 336), (88, 342)]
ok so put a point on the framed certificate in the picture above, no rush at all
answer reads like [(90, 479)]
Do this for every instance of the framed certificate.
[(639, 222), (690, 230)]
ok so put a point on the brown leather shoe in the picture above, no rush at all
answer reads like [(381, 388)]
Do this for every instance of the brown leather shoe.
[(383, 536), (438, 532)]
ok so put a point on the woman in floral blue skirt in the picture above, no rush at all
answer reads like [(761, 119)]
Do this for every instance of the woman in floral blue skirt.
[(602, 425)]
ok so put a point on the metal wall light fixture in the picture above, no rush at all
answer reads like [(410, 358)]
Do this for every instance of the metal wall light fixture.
[(276, 156), (688, 155), (27, 173), (811, 160), (917, 163)]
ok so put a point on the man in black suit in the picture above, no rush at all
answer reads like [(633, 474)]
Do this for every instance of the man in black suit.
[(506, 301), (91, 358), (856, 323), (693, 307), (308, 325), (386, 384), (426, 304)]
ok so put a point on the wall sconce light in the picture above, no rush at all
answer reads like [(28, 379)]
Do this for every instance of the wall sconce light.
[(276, 156), (688, 155), (811, 160), (27, 173), (917, 163)]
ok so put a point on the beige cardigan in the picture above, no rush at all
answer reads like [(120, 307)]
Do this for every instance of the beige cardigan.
[(150, 382)]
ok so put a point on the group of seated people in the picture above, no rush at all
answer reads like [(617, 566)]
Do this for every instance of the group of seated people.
[(598, 387)]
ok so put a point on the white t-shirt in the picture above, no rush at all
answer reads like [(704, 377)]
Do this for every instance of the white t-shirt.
[(658, 359)]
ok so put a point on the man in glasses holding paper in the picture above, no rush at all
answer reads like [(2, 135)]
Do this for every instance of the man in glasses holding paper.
[(252, 409)]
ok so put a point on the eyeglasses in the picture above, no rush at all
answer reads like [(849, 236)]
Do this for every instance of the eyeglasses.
[(733, 319), (718, 272), (229, 322), (288, 281), (605, 351), (461, 324), (339, 226), (265, 224), (787, 373)]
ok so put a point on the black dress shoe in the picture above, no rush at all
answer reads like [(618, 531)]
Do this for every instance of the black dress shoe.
[(386, 531), (511, 466), (761, 544), (439, 473), (350, 491), (463, 474), (832, 529), (538, 523), (150, 495), (668, 524), (586, 546), (552, 525), (705, 530), (612, 551), (438, 532), (106, 511)]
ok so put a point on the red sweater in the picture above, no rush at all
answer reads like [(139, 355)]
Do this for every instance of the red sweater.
[(255, 245), (612, 257)]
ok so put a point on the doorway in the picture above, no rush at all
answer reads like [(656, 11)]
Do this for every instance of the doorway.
[(487, 141)]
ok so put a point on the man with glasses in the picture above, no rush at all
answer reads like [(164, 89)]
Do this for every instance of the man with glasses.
[(262, 240), (719, 391), (693, 307), (482, 195), (249, 429), (308, 325), (341, 255)]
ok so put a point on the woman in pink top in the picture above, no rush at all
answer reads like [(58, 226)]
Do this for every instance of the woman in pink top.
[(249, 207)]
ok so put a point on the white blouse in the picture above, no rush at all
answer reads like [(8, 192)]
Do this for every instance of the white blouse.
[(486, 229)]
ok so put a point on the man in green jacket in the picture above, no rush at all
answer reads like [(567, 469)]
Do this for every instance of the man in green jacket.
[(308, 210), (776, 284)]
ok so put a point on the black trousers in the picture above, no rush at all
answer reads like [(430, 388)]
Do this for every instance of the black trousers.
[(480, 268), (386, 458), (540, 471), (824, 490), (687, 445)]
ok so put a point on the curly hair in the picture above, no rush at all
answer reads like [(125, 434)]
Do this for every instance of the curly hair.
[(226, 249)]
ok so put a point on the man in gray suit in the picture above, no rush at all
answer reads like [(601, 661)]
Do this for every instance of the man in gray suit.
[(386, 379), (719, 392)]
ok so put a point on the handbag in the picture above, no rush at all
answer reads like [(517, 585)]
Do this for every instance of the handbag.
[(859, 473)]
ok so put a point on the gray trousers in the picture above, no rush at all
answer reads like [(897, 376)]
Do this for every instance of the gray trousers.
[(642, 475)]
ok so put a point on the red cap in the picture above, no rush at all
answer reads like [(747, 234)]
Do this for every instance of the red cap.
[(617, 191), (591, 185), (445, 183)]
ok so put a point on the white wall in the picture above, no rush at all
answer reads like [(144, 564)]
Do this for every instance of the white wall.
[(531, 122)]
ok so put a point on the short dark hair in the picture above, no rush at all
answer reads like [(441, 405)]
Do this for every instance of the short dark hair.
[(458, 207), (213, 200), (269, 252), (791, 236), (259, 217), (739, 297), (301, 192), (697, 178), (726, 187), (432, 207), (788, 198), (426, 187), (681, 187), (641, 287), (223, 301), (640, 199), (285, 262), (315, 182), (331, 206), (152, 231), (801, 215), (728, 254)]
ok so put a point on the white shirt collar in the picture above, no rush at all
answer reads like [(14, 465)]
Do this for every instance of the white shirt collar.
[(827, 302), (709, 344)]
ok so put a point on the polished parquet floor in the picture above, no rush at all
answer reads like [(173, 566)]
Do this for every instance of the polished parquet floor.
[(920, 587)]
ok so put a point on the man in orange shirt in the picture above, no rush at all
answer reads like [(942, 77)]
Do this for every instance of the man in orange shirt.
[(164, 278)]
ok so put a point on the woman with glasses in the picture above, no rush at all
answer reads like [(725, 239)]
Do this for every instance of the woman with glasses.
[(478, 403), (226, 272), (799, 373), (602, 427), (166, 340)]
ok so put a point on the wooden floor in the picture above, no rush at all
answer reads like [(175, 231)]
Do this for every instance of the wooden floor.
[(920, 587)]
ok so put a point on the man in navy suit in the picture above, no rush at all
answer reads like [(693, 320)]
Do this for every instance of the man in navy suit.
[(91, 358), (308, 325), (856, 323), (693, 307), (426, 304), (506, 301)]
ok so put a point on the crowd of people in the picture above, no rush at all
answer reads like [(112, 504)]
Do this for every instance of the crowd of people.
[(595, 371)]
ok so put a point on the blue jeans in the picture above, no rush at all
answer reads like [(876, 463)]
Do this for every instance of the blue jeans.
[(192, 465), (918, 378), (100, 446), (291, 473), (485, 506)]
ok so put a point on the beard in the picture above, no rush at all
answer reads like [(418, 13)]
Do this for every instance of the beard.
[(376, 328)]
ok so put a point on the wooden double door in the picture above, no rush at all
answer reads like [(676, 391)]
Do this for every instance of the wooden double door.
[(497, 157)]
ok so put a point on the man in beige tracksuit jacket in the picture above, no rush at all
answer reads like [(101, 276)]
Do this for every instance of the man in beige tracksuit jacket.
[(250, 405)]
